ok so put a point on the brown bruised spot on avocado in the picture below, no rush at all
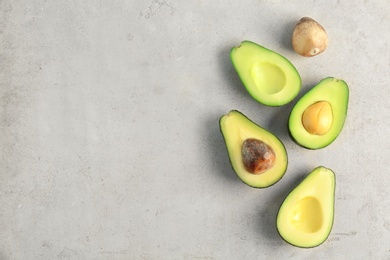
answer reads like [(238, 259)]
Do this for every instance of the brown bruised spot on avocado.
[(257, 156)]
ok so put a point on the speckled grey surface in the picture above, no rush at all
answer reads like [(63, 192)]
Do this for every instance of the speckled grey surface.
[(109, 135)]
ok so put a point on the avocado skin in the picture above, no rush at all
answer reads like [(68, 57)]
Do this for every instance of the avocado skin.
[(327, 236), (220, 129)]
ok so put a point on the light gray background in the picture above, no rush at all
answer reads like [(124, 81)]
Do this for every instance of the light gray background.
[(109, 137)]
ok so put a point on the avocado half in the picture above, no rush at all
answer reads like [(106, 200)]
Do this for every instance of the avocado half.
[(331, 91), (305, 218), (236, 130), (270, 78)]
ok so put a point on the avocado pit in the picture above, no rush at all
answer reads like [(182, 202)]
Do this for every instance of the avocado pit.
[(309, 37), (317, 118), (257, 156)]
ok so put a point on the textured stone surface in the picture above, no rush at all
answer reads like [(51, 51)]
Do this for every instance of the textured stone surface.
[(109, 139)]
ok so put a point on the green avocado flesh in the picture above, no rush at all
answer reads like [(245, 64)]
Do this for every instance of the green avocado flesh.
[(269, 77), (236, 129), (305, 218), (331, 90)]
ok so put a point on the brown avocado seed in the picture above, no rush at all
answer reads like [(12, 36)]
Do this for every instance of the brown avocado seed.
[(309, 37), (257, 156)]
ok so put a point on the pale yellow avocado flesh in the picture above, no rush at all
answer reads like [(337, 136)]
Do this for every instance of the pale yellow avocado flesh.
[(305, 218), (236, 128), (269, 77)]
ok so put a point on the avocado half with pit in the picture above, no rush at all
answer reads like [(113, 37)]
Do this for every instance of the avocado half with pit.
[(270, 78), (318, 117), (305, 218), (257, 156)]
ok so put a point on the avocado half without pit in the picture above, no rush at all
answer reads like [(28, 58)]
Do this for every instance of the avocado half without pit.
[(257, 156), (270, 78), (318, 117), (305, 218)]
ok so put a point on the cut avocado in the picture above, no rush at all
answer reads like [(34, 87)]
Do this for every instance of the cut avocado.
[(305, 218), (257, 156), (318, 117), (269, 77)]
